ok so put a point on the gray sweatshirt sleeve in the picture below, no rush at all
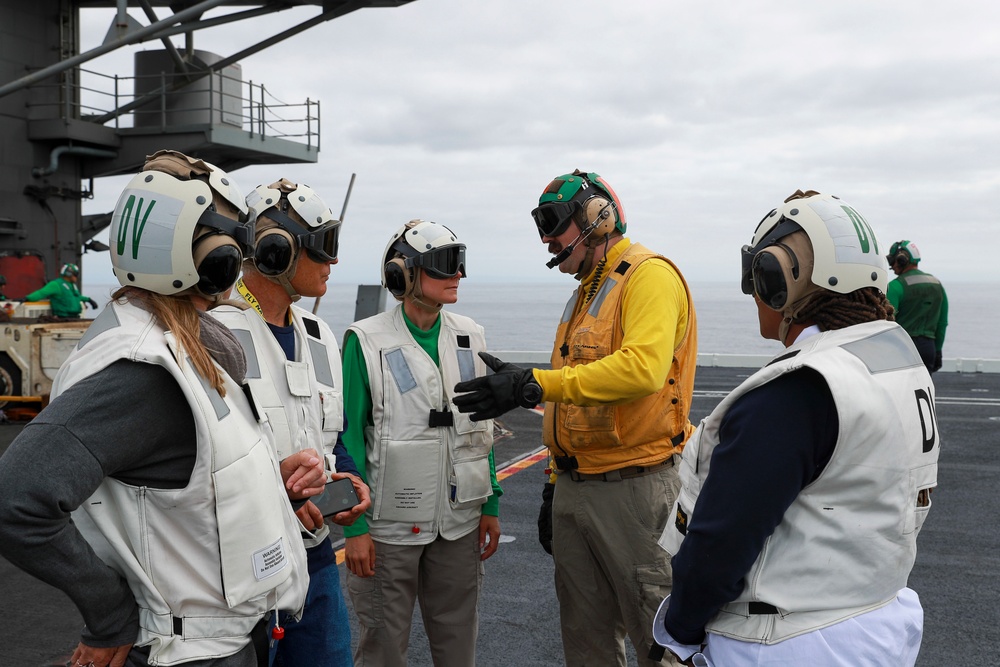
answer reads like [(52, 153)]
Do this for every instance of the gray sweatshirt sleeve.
[(130, 421)]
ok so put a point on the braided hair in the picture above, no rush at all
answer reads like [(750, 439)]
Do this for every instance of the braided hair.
[(830, 310)]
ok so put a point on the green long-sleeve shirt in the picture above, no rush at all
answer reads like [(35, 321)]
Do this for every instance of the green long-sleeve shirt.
[(64, 297), (358, 410), (921, 305)]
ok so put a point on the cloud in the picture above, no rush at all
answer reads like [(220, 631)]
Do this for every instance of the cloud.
[(703, 116)]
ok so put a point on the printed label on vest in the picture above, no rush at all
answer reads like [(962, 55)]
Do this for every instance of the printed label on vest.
[(407, 498), (269, 561)]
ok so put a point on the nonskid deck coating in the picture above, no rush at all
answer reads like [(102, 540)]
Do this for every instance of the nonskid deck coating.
[(957, 573)]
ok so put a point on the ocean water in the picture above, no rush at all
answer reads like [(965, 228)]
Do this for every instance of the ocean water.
[(523, 316)]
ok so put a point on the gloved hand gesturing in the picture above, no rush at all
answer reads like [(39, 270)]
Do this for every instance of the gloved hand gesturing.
[(92, 303), (492, 395)]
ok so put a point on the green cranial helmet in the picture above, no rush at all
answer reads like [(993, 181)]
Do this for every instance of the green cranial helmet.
[(907, 249), (69, 270), (569, 193)]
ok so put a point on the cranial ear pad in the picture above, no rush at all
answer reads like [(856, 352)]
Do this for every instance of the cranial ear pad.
[(782, 273), (274, 253), (901, 259), (769, 277), (597, 210), (398, 278), (217, 259)]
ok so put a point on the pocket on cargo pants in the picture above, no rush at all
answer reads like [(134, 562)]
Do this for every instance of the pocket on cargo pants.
[(366, 596)]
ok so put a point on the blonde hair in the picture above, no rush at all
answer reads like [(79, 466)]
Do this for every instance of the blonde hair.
[(179, 316)]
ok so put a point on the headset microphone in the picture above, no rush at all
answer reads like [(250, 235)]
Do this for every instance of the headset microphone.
[(602, 215), (561, 257)]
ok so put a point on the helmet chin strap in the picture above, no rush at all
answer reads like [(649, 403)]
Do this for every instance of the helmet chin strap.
[(790, 313), (417, 295), (284, 282), (213, 299), (786, 323)]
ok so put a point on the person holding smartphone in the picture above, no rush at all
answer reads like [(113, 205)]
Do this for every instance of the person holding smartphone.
[(294, 367), (148, 490), (434, 520)]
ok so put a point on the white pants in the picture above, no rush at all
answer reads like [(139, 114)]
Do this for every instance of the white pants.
[(889, 635)]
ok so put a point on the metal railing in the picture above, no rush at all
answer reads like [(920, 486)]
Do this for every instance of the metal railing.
[(166, 102)]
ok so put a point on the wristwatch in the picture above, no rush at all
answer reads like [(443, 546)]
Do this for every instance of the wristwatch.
[(531, 393)]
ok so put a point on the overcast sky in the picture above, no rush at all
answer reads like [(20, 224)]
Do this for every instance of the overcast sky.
[(702, 115)]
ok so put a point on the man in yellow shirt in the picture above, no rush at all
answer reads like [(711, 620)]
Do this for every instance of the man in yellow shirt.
[(616, 412)]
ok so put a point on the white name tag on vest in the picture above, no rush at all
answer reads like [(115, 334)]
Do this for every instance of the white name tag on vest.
[(269, 561)]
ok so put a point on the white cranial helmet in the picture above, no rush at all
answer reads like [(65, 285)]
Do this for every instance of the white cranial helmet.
[(169, 232), (424, 245), (814, 241)]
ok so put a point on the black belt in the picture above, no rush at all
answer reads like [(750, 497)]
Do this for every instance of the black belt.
[(761, 608), (260, 641), (621, 473)]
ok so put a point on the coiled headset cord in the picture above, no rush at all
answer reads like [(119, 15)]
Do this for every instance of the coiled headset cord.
[(596, 281)]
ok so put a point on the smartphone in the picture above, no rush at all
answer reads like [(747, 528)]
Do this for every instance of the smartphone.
[(338, 496)]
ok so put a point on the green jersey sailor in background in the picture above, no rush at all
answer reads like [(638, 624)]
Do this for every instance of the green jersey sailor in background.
[(63, 294), (920, 301)]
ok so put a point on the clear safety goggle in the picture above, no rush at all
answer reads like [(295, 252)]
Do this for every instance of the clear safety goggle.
[(441, 263)]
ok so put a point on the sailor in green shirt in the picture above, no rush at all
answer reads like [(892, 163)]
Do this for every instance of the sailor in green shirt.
[(435, 496), (63, 294), (920, 301)]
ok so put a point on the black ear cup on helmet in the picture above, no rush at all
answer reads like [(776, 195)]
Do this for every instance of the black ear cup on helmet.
[(398, 278), (217, 259), (901, 260), (275, 252), (774, 269)]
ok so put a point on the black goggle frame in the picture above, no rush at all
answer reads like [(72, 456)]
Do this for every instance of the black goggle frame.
[(440, 263), (322, 245), (552, 218)]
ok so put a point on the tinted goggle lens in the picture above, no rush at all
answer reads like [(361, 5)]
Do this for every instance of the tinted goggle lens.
[(553, 218), (322, 246), (443, 262)]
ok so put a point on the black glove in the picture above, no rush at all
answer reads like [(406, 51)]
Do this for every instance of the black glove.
[(545, 518), (937, 361), (492, 395), (91, 303)]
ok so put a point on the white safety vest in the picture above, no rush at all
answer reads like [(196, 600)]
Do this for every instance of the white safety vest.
[(837, 552), (302, 399), (205, 562), (426, 479)]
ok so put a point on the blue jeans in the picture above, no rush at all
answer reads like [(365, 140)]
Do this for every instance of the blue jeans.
[(323, 637)]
